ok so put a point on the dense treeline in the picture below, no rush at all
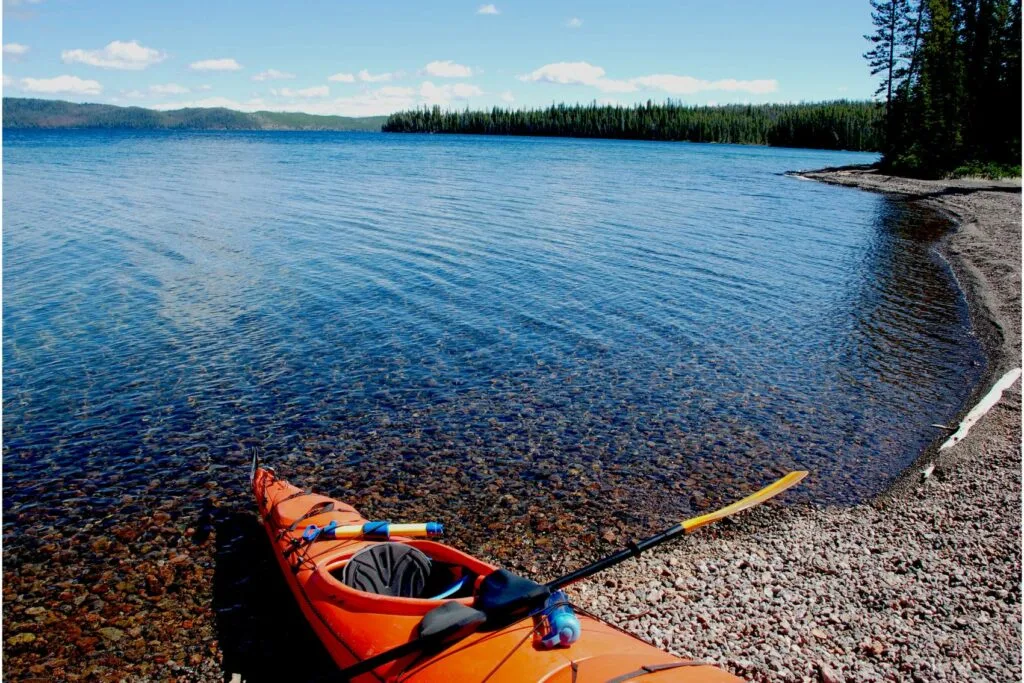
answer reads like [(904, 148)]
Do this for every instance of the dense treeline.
[(951, 79), (827, 125), (34, 113)]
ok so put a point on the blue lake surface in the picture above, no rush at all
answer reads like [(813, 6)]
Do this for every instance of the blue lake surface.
[(396, 317)]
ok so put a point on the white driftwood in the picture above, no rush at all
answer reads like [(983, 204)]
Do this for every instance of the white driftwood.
[(984, 405)]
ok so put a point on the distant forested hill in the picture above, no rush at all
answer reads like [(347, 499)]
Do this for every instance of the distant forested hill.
[(826, 125), (33, 113)]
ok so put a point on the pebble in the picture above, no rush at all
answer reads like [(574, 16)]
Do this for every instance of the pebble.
[(111, 633)]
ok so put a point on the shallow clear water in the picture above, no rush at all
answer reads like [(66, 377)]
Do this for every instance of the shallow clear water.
[(387, 313)]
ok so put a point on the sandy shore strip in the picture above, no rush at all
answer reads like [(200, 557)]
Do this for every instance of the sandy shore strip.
[(922, 584)]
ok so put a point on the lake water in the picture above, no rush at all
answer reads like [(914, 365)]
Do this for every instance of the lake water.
[(506, 334)]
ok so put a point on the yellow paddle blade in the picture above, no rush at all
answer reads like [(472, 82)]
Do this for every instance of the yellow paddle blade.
[(770, 491)]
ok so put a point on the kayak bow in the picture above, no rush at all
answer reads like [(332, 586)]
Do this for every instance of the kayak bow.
[(366, 600)]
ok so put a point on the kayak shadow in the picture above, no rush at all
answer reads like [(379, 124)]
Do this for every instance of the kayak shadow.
[(263, 634)]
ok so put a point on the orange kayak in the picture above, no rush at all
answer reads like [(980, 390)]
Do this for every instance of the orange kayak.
[(356, 623)]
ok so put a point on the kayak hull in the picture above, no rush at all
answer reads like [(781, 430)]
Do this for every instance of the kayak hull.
[(354, 625)]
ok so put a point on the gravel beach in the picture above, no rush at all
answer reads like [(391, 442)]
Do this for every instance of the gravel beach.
[(923, 583)]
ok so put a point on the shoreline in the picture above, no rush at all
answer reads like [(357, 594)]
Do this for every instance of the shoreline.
[(921, 583), (994, 330)]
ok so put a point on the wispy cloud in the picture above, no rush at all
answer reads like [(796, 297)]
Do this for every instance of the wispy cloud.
[(447, 69), (13, 9), (272, 75), (316, 91), (488, 9), (507, 96), (577, 73), (127, 56), (366, 77), (575, 22), (168, 89), (225, 64), (383, 100), (582, 73), (342, 78), (15, 50), (444, 94), (688, 85), (370, 102), (72, 85)]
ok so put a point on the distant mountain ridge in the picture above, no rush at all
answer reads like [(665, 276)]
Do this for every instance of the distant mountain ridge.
[(21, 112)]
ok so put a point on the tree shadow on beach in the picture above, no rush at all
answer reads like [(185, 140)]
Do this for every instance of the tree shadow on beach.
[(262, 632)]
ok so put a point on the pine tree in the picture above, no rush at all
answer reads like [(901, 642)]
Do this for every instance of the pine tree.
[(829, 125), (957, 86), (939, 139), (887, 16)]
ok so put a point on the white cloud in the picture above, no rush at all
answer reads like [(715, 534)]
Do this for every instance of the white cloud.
[(487, 9), (168, 89), (13, 9), (565, 73), (582, 73), (444, 94), (61, 84), (366, 77), (130, 56), (342, 78), (448, 69), (134, 94), (205, 87), (507, 96), (688, 85), (374, 102), (316, 91), (575, 22), (225, 64), (15, 50), (9, 82), (272, 75), (577, 73)]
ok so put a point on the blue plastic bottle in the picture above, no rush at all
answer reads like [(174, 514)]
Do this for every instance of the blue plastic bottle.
[(562, 628)]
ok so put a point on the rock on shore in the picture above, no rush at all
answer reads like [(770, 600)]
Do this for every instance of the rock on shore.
[(924, 584)]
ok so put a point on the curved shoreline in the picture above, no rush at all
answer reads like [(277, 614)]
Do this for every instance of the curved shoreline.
[(996, 331), (921, 583)]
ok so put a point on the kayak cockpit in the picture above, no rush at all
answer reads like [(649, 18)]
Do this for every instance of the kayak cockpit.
[(397, 576)]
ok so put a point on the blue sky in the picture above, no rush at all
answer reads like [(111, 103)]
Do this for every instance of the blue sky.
[(368, 58)]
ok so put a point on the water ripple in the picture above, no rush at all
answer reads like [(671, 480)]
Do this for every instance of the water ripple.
[(484, 303)]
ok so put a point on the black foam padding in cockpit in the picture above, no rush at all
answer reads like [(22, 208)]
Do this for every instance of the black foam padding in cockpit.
[(393, 569)]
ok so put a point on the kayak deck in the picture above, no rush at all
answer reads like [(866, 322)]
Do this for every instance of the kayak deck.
[(355, 625)]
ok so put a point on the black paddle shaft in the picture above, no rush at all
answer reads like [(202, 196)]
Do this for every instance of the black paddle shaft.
[(633, 549), (433, 641)]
